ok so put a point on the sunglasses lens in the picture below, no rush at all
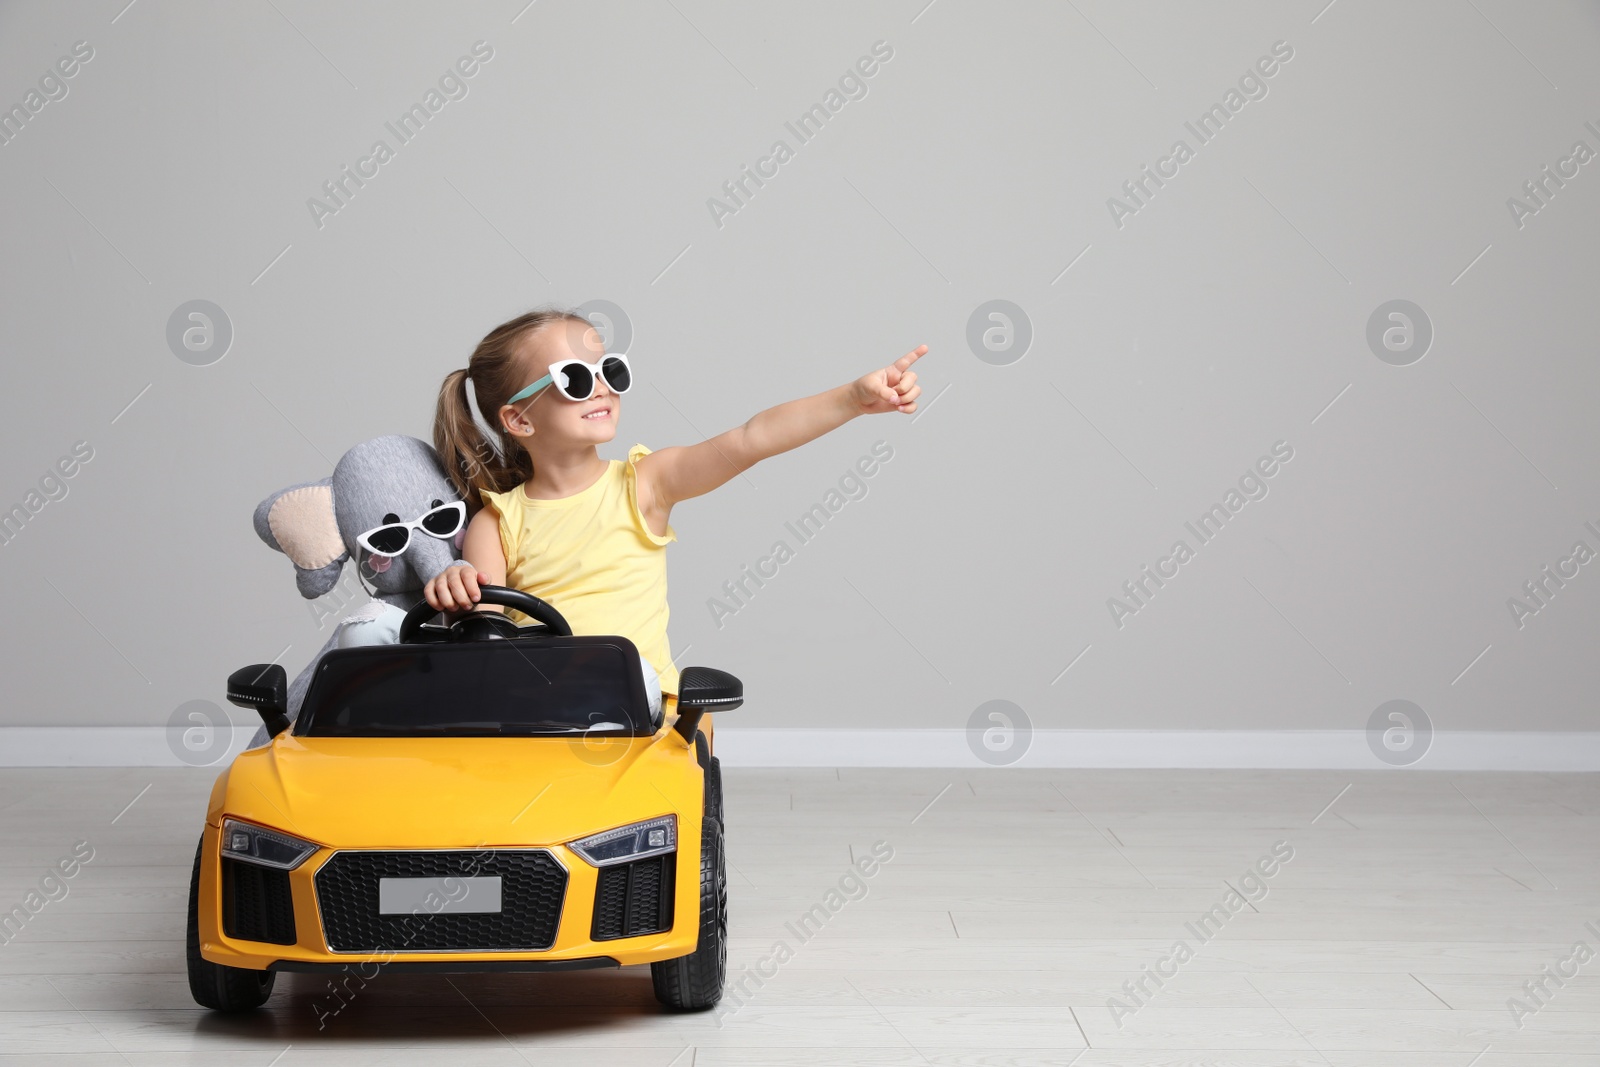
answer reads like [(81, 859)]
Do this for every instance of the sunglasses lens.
[(576, 381), (617, 375), (442, 522), (389, 540)]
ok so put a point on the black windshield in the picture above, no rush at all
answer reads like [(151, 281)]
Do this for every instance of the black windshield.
[(548, 687)]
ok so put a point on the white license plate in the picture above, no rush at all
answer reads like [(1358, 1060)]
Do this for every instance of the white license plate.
[(439, 896)]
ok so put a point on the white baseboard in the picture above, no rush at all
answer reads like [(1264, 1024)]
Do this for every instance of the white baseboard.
[(1484, 750), (1480, 750), (106, 746)]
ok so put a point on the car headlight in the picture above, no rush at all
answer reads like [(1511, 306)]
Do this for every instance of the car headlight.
[(269, 848), (628, 843)]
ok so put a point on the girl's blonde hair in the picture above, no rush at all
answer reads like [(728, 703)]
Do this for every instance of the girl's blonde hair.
[(474, 460)]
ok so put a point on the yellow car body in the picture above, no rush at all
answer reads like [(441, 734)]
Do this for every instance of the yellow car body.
[(398, 794), (476, 796)]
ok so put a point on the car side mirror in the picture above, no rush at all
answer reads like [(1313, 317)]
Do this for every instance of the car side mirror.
[(703, 689), (265, 688)]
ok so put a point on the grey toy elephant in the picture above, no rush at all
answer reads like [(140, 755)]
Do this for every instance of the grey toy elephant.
[(386, 480)]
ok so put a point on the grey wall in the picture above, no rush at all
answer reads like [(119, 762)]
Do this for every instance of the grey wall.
[(1222, 316)]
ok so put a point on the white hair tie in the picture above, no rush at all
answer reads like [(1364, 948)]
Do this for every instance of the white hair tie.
[(490, 435)]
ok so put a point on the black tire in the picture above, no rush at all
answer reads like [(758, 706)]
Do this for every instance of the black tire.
[(214, 985), (714, 789), (694, 982)]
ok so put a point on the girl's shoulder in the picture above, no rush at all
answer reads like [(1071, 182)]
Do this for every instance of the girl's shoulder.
[(628, 469), (507, 510), (500, 503), (630, 476)]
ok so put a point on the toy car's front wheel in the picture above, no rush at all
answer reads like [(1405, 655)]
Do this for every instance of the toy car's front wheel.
[(214, 985), (694, 982)]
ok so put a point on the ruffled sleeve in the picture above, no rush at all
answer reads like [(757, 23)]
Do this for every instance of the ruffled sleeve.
[(502, 505), (631, 475)]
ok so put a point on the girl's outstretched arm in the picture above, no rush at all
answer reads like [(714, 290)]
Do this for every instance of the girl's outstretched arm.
[(685, 471)]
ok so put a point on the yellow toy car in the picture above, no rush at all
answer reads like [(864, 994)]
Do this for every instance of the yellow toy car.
[(481, 796)]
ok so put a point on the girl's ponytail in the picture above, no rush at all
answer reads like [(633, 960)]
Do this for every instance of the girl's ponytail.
[(478, 454), (468, 456)]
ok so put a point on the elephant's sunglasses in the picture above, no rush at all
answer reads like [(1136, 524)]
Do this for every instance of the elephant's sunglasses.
[(390, 539), (575, 379)]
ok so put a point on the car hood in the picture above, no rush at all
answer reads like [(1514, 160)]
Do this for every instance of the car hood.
[(459, 792)]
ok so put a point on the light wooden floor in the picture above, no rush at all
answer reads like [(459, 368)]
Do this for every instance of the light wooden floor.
[(1016, 904)]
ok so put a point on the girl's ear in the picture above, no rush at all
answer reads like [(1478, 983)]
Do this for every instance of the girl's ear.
[(516, 421), (299, 522)]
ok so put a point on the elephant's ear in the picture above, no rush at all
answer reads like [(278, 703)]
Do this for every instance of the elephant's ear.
[(299, 522)]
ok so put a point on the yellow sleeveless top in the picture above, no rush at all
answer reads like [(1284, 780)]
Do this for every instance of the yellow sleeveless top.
[(594, 559)]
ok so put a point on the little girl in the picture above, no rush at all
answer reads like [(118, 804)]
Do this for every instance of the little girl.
[(518, 430)]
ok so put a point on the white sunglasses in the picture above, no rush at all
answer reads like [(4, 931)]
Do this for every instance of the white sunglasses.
[(442, 520), (575, 379)]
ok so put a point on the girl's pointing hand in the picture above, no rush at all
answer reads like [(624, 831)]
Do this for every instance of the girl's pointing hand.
[(894, 388)]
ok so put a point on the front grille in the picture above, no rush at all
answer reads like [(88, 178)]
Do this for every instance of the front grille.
[(634, 898), (533, 886), (256, 903)]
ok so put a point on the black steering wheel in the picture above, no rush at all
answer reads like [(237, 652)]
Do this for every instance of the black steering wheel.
[(486, 625)]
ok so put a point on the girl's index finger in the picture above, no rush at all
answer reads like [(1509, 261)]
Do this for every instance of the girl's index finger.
[(911, 357)]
